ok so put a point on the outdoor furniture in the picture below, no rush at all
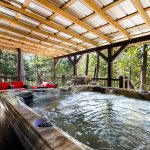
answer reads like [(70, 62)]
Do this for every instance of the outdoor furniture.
[(12, 85), (45, 85)]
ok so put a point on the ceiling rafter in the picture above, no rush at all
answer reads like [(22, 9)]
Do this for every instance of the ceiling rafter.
[(14, 21), (73, 19), (101, 13), (7, 35), (47, 22), (67, 48), (141, 11)]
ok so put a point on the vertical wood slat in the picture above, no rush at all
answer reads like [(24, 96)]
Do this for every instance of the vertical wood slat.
[(87, 64)]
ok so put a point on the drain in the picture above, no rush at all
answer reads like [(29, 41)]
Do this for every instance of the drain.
[(42, 122)]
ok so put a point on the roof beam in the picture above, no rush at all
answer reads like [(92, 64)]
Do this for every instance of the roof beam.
[(32, 36), (141, 11), (101, 13), (26, 3), (73, 19), (14, 21), (47, 22), (7, 35), (100, 48)]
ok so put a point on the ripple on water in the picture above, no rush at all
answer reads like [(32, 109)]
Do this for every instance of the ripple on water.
[(102, 121)]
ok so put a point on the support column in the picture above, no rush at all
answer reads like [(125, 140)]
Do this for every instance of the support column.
[(20, 66), (87, 64), (55, 62), (143, 67), (110, 67), (97, 66)]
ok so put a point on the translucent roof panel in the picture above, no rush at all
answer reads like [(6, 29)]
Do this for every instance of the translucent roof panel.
[(64, 35), (21, 28), (116, 36), (76, 40), (79, 10), (39, 9), (104, 2), (29, 20), (144, 28), (49, 29), (137, 19), (127, 23), (108, 29), (8, 11), (90, 35), (58, 3), (61, 20), (145, 3), (38, 34), (96, 21), (78, 29), (3, 22), (134, 31)]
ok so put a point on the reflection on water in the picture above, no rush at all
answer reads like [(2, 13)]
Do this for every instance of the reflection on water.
[(101, 121)]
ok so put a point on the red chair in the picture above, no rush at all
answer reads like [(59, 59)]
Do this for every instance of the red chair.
[(18, 84), (4, 85)]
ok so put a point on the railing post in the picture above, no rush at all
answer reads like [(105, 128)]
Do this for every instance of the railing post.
[(110, 67), (87, 64)]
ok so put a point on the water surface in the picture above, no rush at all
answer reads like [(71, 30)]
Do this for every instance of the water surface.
[(102, 121)]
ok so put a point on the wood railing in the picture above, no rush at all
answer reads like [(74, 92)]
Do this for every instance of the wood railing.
[(33, 80)]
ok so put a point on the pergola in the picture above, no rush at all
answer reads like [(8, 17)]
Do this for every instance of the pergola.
[(70, 28)]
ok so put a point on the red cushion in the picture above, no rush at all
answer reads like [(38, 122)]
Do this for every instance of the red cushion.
[(4, 85), (49, 85), (17, 84)]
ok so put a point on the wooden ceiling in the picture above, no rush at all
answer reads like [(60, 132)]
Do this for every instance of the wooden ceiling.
[(56, 28)]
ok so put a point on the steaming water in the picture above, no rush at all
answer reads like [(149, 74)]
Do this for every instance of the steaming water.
[(101, 121)]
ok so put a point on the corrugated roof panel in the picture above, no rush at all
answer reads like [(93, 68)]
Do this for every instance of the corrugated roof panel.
[(20, 1), (3, 22), (137, 19), (104, 2), (58, 3), (127, 23), (29, 20), (90, 35), (76, 40), (87, 44), (116, 36), (2, 30), (116, 12), (7, 11), (67, 43), (148, 12), (134, 31), (49, 29), (64, 35), (96, 21), (48, 44), (55, 39), (127, 7), (39, 34), (61, 20), (32, 39), (79, 10), (16, 34), (144, 28), (108, 29), (21, 28), (39, 9), (145, 3), (78, 29)]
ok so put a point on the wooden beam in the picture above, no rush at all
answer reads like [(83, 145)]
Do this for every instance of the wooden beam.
[(103, 56), (101, 13), (73, 19), (47, 22), (14, 21), (117, 44), (97, 65), (118, 52), (44, 46), (26, 3), (87, 65), (141, 11), (32, 36)]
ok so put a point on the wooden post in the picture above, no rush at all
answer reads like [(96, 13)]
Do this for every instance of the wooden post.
[(97, 66), (110, 68), (55, 62), (20, 65), (87, 64), (74, 62), (143, 68)]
